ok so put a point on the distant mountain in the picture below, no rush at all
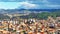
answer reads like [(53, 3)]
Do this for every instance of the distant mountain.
[(27, 13), (22, 11)]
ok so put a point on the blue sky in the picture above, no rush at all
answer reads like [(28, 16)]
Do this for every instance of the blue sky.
[(29, 4)]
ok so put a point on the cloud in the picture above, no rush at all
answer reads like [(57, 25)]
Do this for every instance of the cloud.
[(53, 5), (16, 5), (45, 1), (9, 5), (30, 4), (12, 0), (27, 5)]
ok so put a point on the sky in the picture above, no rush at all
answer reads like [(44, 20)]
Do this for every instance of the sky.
[(29, 4)]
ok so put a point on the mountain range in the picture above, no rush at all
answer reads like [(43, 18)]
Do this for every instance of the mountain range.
[(22, 11), (27, 13)]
